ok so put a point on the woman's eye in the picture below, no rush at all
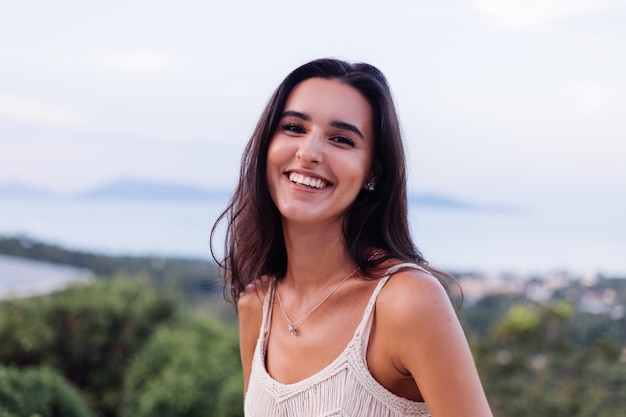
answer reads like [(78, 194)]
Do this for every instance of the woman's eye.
[(292, 128), (343, 140)]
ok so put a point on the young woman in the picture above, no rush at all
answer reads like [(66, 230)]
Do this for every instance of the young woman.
[(339, 313)]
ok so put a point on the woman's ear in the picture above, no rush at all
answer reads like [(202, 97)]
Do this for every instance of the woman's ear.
[(370, 185), (372, 179)]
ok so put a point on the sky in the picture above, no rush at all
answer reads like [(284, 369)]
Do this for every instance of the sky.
[(501, 101)]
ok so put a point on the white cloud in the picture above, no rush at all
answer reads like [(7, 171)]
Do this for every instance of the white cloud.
[(514, 14), (600, 48), (593, 98), (133, 62), (172, 135), (25, 109)]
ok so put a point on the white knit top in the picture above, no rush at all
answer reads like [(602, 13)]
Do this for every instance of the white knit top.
[(344, 388)]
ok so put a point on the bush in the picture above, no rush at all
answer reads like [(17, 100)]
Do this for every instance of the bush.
[(40, 392), (88, 332), (529, 366), (190, 370)]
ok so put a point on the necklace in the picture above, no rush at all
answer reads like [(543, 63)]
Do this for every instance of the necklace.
[(291, 325)]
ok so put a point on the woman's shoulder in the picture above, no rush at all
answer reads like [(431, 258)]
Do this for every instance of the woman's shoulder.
[(411, 293), (250, 302), (410, 275), (414, 318)]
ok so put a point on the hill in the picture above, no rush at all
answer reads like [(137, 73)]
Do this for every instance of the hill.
[(21, 191), (132, 189), (140, 190)]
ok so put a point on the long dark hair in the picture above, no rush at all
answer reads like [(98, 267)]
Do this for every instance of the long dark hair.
[(254, 244)]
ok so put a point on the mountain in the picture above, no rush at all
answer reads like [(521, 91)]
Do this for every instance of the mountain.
[(131, 189), (435, 200), (18, 190), (146, 190), (127, 189)]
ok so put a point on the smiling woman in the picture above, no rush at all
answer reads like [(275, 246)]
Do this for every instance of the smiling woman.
[(362, 325)]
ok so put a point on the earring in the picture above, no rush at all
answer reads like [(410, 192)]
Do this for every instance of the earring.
[(370, 186)]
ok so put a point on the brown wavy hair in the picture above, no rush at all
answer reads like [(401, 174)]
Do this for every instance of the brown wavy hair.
[(254, 245)]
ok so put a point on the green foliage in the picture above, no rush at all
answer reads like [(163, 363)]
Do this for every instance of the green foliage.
[(530, 366), (189, 369), (531, 329), (603, 394), (577, 384), (133, 352), (479, 319), (586, 328), (521, 322), (88, 332), (38, 392)]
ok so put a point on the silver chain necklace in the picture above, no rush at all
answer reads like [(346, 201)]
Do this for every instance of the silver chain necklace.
[(291, 325)]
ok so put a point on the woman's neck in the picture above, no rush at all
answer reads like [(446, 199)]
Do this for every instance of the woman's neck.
[(316, 257)]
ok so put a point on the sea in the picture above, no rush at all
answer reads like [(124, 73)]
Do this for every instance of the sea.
[(534, 241)]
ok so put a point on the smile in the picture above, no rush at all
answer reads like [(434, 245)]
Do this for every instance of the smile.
[(308, 181)]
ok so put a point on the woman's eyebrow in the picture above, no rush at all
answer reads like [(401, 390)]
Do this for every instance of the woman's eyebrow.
[(297, 114), (335, 123), (347, 126)]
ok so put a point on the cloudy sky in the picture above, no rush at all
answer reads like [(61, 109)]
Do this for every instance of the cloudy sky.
[(501, 101)]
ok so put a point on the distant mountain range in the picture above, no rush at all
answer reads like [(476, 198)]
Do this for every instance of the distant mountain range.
[(119, 190), (132, 190), (144, 190), (17, 190)]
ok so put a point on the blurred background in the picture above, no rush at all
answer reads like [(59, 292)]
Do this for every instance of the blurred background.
[(121, 130)]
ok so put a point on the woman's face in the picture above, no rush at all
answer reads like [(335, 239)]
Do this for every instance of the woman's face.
[(320, 156)]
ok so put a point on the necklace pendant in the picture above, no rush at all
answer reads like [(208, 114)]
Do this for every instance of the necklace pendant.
[(292, 326)]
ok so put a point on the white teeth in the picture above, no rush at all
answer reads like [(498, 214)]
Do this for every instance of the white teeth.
[(308, 181)]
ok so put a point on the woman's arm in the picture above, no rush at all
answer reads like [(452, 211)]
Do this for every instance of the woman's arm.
[(415, 312)]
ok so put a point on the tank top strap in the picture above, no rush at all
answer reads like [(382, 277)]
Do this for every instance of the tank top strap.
[(365, 327), (268, 305)]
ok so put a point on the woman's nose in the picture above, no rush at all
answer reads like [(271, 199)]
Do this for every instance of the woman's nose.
[(310, 149)]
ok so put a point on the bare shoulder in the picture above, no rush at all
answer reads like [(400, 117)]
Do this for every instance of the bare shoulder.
[(412, 293), (413, 313), (253, 297), (250, 303)]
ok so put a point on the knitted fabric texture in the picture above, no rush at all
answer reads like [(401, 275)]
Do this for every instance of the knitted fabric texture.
[(344, 388)]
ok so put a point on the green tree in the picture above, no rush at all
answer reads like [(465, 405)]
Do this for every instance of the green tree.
[(190, 369), (89, 332), (530, 366), (41, 392)]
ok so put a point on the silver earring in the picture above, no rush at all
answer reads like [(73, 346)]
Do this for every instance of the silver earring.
[(370, 186)]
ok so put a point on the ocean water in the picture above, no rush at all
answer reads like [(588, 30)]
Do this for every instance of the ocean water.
[(26, 278), (538, 241)]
